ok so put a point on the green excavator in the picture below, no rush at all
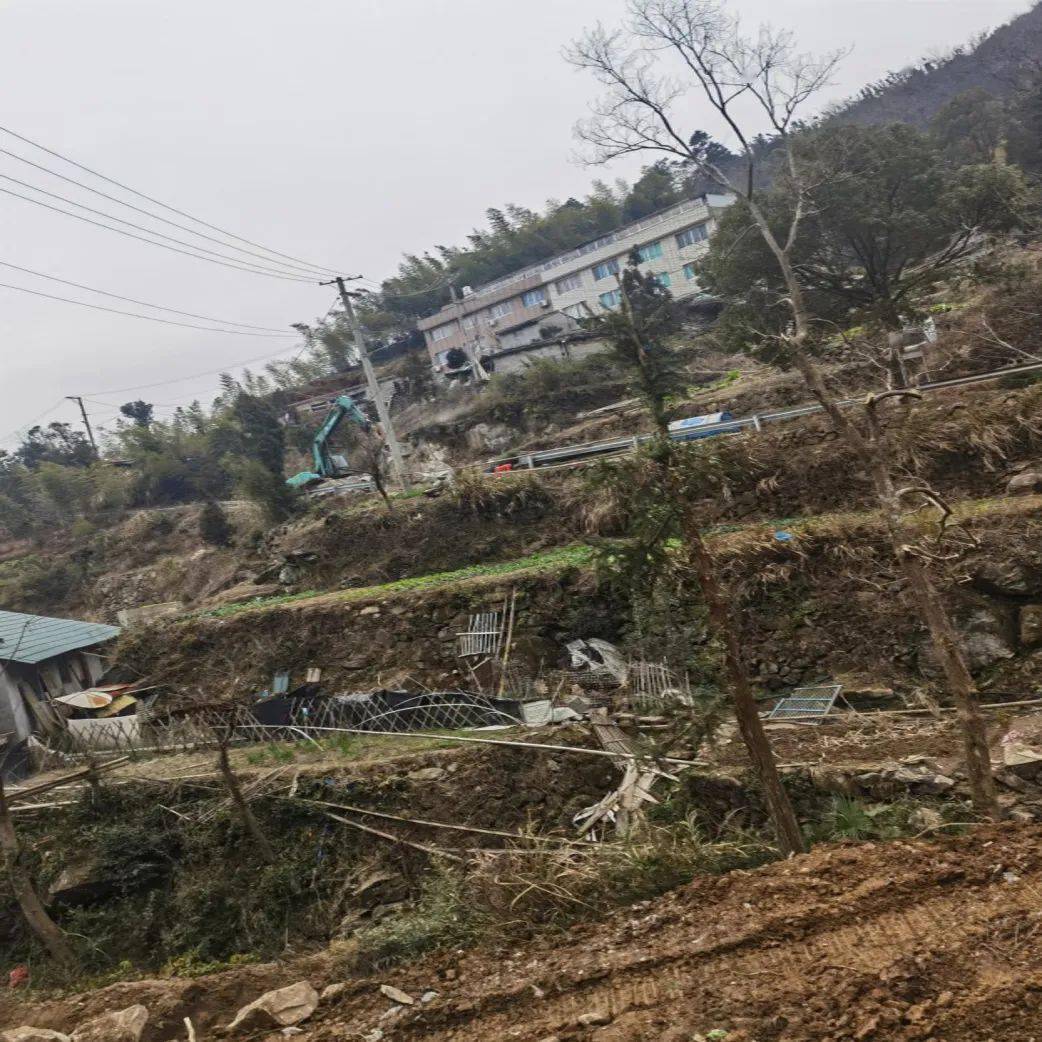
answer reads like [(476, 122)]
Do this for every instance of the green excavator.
[(326, 465)]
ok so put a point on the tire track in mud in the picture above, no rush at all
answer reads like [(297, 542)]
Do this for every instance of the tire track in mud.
[(778, 960)]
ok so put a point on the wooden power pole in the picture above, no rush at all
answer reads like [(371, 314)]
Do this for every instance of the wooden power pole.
[(86, 423), (397, 461)]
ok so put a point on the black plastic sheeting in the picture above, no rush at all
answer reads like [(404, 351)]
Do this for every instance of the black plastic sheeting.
[(387, 710)]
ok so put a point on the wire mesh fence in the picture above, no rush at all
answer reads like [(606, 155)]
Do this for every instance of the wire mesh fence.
[(275, 719)]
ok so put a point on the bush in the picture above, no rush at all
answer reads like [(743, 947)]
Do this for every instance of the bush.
[(214, 526), (266, 488)]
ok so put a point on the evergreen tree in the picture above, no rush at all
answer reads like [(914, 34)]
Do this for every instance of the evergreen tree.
[(214, 526)]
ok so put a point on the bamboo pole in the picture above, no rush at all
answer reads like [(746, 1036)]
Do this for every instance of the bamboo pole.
[(434, 851), (439, 824)]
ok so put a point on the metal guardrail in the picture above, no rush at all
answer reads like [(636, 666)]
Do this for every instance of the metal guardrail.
[(574, 454)]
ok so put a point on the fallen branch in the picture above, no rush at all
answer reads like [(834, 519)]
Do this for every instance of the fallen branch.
[(433, 851), (442, 824)]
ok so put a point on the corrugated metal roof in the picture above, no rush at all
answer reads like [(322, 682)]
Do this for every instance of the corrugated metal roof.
[(33, 638)]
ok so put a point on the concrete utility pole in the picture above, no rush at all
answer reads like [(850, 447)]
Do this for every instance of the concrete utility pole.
[(86, 422), (397, 462)]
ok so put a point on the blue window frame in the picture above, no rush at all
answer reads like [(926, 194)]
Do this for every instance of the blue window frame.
[(652, 251), (611, 299), (605, 269), (689, 271), (533, 298), (689, 236), (663, 279)]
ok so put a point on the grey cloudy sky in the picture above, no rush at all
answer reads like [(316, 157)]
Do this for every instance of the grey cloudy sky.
[(345, 132)]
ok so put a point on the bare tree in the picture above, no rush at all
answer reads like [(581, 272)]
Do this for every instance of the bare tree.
[(764, 81), (223, 733), (42, 925)]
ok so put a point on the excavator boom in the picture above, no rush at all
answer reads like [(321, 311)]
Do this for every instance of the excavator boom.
[(323, 466)]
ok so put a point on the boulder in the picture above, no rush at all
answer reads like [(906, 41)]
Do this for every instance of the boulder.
[(331, 992), (1009, 578), (1030, 630), (986, 638), (27, 1034), (1028, 483), (282, 1008), (1022, 760), (82, 882), (125, 1025)]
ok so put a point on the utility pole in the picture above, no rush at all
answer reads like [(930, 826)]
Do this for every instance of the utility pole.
[(86, 422), (382, 412)]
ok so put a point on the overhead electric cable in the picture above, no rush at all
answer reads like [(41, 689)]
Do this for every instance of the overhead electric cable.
[(148, 318), (143, 303), (141, 238), (246, 264), (194, 376), (305, 269), (20, 431), (165, 206)]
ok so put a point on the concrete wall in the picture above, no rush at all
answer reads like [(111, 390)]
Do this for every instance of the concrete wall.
[(14, 717), (512, 363)]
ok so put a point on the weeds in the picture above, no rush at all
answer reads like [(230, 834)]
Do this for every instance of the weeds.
[(443, 916), (513, 893), (551, 560)]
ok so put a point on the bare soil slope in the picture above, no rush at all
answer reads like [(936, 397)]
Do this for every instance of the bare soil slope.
[(915, 940)]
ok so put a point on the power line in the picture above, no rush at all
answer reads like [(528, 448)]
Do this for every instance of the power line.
[(194, 376), (143, 303), (148, 318), (165, 206), (309, 270), (131, 235), (239, 261), (19, 431)]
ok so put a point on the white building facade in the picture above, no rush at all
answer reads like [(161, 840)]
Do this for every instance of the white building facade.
[(537, 303)]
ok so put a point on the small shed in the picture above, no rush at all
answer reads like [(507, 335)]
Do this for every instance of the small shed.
[(42, 658)]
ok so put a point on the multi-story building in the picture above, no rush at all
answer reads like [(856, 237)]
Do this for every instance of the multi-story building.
[(540, 303)]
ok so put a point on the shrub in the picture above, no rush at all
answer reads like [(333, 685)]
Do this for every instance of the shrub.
[(214, 526)]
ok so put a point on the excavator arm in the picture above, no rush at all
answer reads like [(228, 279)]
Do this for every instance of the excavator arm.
[(322, 461)]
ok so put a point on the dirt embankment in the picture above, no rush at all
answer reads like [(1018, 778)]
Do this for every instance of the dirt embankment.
[(829, 603), (899, 942)]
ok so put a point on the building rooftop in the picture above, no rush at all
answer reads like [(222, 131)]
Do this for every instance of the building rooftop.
[(34, 638)]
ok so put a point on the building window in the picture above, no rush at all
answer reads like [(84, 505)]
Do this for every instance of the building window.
[(569, 282), (470, 322), (652, 251), (575, 311), (612, 299), (689, 236), (689, 271), (533, 298), (442, 333), (663, 279), (499, 310), (605, 269)]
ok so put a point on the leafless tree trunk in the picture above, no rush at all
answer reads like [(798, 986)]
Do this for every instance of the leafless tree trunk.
[(727, 69), (223, 735), (724, 624), (722, 620), (42, 925)]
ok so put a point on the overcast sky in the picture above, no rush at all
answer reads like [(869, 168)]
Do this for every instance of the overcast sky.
[(344, 132)]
